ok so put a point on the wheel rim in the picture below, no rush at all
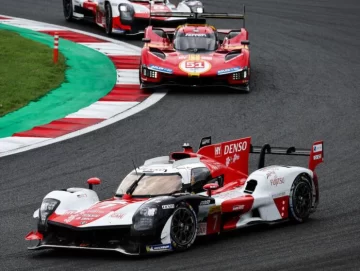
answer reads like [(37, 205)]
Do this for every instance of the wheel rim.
[(302, 199), (183, 226), (108, 19), (67, 8)]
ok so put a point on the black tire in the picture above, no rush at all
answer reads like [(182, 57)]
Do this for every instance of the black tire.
[(108, 19), (68, 10), (300, 199), (140, 81), (183, 229)]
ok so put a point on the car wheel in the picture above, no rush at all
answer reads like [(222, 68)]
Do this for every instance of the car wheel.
[(300, 199), (108, 19), (68, 10), (183, 227)]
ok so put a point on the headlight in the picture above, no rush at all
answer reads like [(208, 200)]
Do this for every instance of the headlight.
[(146, 211), (123, 8), (197, 9), (48, 206), (144, 218), (126, 13)]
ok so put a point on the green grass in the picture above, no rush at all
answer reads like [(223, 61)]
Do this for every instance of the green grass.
[(27, 71)]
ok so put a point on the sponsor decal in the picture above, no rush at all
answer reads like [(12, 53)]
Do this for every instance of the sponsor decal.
[(160, 69), (317, 148), (195, 35), (205, 202), (82, 196), (70, 212), (168, 206), (86, 219), (206, 141), (235, 147), (117, 215), (159, 247), (230, 160), (202, 227), (317, 157), (271, 172), (90, 215), (195, 66), (69, 219), (206, 57), (277, 181), (238, 207), (217, 150), (229, 70)]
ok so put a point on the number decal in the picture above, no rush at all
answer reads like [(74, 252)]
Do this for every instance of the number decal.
[(194, 64), (216, 216)]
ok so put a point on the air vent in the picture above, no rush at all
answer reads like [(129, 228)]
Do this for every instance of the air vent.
[(179, 155), (250, 186), (232, 54), (157, 52)]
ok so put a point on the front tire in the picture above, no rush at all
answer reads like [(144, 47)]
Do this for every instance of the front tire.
[(68, 10), (300, 199), (108, 19), (183, 229)]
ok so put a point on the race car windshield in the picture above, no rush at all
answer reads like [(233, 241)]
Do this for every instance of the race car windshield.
[(195, 42), (151, 184)]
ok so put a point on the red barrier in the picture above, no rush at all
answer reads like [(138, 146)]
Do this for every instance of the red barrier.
[(56, 47)]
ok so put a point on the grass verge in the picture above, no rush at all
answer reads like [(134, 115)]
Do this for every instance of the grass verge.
[(27, 71)]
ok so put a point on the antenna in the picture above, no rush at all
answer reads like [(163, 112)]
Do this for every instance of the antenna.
[(134, 166), (151, 3)]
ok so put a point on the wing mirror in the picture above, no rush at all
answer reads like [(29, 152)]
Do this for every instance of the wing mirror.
[(93, 181), (146, 39), (209, 187), (245, 42)]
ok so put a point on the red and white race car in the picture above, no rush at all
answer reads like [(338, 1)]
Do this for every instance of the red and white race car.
[(194, 55), (129, 17), (166, 203)]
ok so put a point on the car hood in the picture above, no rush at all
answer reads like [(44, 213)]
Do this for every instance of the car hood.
[(184, 64), (112, 212)]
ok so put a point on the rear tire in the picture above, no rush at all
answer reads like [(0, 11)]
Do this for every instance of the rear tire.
[(108, 19), (68, 10), (300, 199), (183, 229)]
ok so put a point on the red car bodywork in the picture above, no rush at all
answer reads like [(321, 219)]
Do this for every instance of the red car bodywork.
[(228, 65)]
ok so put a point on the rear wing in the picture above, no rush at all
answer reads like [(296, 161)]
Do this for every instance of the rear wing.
[(235, 153), (200, 18), (316, 153)]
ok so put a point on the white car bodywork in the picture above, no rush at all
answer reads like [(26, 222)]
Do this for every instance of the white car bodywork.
[(98, 9), (273, 182)]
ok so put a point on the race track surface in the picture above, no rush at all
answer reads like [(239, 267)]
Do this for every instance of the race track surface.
[(306, 66)]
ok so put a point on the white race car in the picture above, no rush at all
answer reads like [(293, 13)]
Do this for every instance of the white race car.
[(129, 17), (166, 203)]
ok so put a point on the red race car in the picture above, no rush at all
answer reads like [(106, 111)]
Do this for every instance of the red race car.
[(193, 54)]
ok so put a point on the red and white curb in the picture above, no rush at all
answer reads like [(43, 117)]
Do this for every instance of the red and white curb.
[(125, 99)]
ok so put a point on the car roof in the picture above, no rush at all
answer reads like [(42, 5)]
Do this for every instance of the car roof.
[(196, 28)]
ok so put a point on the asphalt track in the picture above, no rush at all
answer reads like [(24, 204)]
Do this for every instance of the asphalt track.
[(305, 60)]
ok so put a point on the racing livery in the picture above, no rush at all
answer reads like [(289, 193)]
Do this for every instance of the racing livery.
[(167, 202), (194, 55), (129, 17)]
